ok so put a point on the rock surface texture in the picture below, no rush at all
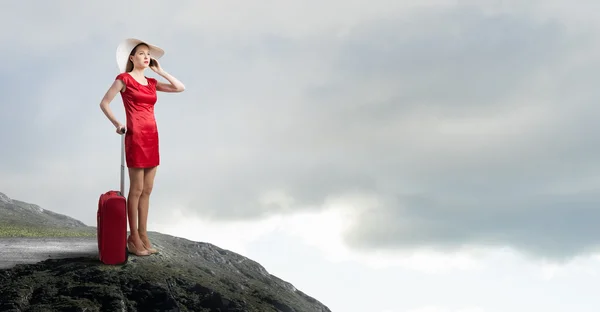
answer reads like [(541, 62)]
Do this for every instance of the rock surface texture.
[(184, 276)]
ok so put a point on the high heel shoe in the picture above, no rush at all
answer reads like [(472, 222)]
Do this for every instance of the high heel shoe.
[(134, 250), (149, 249)]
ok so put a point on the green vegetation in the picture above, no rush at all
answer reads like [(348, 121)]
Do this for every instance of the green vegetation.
[(28, 230)]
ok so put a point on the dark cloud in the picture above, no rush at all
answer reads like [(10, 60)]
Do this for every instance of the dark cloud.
[(529, 190), (551, 225), (369, 125), (473, 128)]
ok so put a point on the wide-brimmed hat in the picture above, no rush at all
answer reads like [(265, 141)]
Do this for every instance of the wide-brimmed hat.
[(126, 46)]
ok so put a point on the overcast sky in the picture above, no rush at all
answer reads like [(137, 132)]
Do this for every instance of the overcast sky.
[(417, 156)]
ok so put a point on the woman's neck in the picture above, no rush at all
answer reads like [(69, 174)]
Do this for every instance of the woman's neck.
[(139, 72)]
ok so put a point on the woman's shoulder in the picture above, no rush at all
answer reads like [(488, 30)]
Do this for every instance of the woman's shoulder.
[(123, 77), (152, 81)]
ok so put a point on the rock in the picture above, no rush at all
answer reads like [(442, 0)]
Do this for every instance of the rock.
[(184, 275)]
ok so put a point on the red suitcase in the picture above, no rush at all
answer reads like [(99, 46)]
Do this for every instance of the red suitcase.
[(112, 222)]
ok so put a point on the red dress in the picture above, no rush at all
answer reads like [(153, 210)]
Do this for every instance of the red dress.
[(141, 138)]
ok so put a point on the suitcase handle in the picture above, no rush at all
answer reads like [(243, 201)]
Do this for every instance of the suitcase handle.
[(123, 161)]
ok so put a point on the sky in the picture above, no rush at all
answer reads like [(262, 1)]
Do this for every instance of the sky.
[(414, 156)]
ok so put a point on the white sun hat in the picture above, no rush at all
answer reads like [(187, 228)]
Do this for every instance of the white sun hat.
[(126, 46)]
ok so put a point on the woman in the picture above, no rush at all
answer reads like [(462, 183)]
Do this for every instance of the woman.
[(141, 133)]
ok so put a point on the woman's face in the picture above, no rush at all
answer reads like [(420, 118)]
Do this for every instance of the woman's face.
[(141, 57)]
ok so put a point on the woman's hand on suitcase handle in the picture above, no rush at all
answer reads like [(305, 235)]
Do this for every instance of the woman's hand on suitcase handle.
[(121, 129)]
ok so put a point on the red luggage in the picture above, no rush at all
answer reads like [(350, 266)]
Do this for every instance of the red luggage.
[(112, 222)]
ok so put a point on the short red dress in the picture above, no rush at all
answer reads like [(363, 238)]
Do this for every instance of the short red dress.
[(141, 138)]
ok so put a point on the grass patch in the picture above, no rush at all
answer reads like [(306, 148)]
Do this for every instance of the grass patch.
[(12, 230)]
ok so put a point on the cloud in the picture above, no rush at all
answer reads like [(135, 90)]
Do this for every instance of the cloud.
[(553, 226), (439, 309), (486, 152), (447, 126), (467, 124)]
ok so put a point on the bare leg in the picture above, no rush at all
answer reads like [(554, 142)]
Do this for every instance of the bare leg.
[(136, 178), (143, 206)]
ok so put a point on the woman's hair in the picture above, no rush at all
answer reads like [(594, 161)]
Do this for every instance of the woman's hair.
[(129, 67)]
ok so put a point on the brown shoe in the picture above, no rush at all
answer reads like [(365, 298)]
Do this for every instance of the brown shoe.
[(133, 249), (146, 244), (150, 249)]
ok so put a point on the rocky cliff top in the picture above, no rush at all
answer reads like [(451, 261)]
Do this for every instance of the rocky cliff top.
[(184, 276)]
